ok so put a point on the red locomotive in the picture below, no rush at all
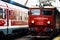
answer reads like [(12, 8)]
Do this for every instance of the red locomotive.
[(42, 21)]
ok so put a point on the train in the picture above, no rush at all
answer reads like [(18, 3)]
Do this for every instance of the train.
[(42, 21), (13, 19), (39, 22)]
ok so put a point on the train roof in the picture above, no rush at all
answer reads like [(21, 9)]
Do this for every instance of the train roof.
[(49, 7), (11, 6), (14, 7), (2, 4), (44, 6), (20, 5)]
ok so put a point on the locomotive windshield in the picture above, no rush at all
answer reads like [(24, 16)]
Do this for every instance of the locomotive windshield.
[(35, 11), (47, 12)]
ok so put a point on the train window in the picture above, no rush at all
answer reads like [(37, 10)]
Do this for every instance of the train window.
[(16, 15), (47, 12), (35, 11), (4, 13), (1, 13)]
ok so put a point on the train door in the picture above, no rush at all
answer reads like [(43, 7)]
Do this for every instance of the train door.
[(3, 20)]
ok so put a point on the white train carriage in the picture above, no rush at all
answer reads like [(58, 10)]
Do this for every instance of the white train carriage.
[(12, 18)]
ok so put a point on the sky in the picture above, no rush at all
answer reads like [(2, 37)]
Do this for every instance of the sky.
[(30, 3)]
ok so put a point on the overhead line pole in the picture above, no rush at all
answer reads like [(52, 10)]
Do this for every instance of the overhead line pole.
[(26, 2)]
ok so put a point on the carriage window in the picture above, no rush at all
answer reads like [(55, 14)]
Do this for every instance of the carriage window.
[(15, 15), (4, 13), (1, 13), (47, 12), (35, 11)]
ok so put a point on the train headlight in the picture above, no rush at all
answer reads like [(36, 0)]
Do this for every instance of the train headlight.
[(48, 22), (32, 21)]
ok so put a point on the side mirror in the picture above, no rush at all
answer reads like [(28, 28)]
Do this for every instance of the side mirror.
[(29, 12)]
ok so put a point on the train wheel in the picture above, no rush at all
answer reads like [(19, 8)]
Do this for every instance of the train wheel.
[(54, 34), (2, 34)]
